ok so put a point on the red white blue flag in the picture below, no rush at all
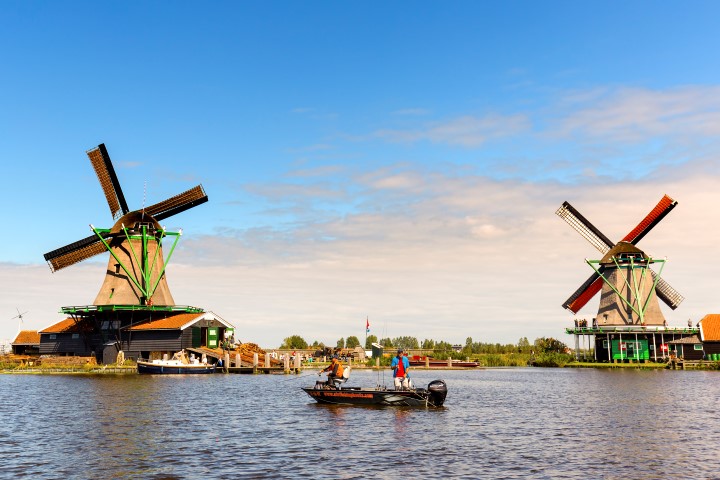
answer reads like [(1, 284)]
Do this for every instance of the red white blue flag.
[(367, 325)]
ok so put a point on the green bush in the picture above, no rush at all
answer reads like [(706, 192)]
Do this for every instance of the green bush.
[(551, 359)]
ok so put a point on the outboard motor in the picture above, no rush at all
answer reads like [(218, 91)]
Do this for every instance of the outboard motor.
[(437, 390)]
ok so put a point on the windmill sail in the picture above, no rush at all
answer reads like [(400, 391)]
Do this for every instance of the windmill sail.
[(178, 203), (75, 252), (664, 206), (100, 160), (583, 226)]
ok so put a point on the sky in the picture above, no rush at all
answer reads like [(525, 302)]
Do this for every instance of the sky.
[(397, 162)]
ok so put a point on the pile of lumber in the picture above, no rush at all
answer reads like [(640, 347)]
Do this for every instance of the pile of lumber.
[(251, 348), (58, 361)]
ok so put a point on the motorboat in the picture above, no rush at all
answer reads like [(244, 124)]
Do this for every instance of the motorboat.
[(178, 364), (338, 394)]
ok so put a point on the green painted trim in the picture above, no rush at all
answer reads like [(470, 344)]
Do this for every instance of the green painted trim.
[(172, 249), (107, 247), (121, 308), (590, 262), (140, 265), (155, 257)]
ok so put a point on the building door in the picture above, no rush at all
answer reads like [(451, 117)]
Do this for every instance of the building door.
[(212, 337)]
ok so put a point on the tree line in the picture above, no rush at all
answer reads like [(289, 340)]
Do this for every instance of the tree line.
[(540, 345)]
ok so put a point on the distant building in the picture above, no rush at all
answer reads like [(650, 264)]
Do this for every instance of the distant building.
[(26, 343), (710, 335)]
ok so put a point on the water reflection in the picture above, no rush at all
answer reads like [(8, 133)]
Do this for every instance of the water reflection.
[(505, 423)]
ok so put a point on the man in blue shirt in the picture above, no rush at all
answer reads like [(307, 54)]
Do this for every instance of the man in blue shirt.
[(400, 366)]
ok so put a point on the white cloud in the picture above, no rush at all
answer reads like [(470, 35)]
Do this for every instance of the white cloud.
[(636, 114), (465, 131)]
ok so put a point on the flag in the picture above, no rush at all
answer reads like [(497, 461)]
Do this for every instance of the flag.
[(367, 325)]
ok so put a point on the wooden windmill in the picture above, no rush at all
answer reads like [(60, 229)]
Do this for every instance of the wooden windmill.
[(630, 288), (136, 269)]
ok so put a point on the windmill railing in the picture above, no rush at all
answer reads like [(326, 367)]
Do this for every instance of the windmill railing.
[(91, 309), (630, 329)]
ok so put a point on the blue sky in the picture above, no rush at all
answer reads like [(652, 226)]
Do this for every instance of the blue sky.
[(361, 159)]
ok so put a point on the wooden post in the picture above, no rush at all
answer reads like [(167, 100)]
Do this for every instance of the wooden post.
[(267, 360), (226, 365), (297, 363), (377, 362), (286, 361), (238, 363), (427, 361), (449, 361)]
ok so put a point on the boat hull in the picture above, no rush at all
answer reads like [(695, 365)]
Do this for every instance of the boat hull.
[(159, 369), (433, 396)]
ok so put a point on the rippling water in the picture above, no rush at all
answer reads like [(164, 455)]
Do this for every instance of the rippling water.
[(496, 423)]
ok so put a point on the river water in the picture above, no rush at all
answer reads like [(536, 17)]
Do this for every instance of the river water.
[(496, 423)]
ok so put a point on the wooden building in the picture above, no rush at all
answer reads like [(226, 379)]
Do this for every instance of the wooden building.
[(710, 335), (687, 348), (138, 335), (26, 343)]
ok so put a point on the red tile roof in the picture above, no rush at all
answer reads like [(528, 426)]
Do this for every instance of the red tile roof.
[(710, 327), (171, 322), (66, 326), (27, 337)]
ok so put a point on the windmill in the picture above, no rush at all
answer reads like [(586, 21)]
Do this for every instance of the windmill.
[(136, 268), (19, 316), (630, 288)]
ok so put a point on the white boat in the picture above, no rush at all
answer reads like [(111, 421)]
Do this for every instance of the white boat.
[(178, 364)]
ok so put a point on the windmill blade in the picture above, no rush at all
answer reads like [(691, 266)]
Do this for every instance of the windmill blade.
[(664, 206), (76, 252), (586, 291), (583, 226), (179, 203), (100, 160), (666, 293)]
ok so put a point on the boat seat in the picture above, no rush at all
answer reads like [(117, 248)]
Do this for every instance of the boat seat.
[(345, 376)]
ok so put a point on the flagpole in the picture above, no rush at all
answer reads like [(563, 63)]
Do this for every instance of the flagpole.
[(367, 327)]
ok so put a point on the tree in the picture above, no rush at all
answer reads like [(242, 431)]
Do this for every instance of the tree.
[(341, 343), (428, 344), (406, 342), (386, 342), (550, 345), (352, 342), (293, 342), (370, 340)]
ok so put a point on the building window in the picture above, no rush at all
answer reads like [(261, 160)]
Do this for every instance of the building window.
[(605, 344), (53, 336), (75, 336), (698, 346)]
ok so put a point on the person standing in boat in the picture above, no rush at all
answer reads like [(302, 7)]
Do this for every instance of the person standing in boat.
[(400, 366), (334, 370)]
